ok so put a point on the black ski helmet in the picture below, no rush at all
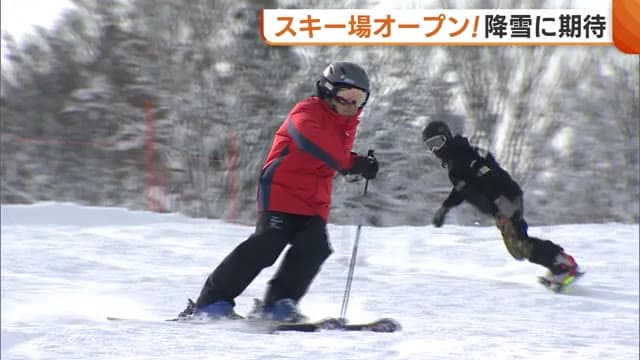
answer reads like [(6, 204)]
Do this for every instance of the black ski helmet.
[(436, 135), (435, 128), (342, 75)]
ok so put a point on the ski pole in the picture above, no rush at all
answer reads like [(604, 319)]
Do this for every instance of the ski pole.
[(354, 253)]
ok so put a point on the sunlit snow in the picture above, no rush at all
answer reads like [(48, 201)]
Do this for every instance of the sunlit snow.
[(455, 290)]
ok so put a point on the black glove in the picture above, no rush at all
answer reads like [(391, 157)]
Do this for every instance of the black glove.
[(438, 217), (367, 166)]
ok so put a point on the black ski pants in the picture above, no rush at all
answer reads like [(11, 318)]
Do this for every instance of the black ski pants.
[(309, 248)]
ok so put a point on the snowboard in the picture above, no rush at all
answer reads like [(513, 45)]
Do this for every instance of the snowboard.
[(557, 287)]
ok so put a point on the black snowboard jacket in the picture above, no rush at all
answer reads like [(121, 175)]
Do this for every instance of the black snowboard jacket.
[(476, 176)]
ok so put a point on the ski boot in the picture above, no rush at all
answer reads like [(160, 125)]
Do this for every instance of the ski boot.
[(217, 310), (283, 310)]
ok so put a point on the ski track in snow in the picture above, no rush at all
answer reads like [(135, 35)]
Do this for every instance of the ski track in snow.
[(455, 290)]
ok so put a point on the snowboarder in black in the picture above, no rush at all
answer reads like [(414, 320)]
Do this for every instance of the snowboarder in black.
[(478, 179)]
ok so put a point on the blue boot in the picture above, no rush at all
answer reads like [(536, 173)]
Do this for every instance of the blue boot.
[(218, 310), (283, 310)]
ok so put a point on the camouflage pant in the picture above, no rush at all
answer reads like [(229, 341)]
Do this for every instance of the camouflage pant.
[(514, 232)]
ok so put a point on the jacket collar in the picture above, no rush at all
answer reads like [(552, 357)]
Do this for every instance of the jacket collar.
[(346, 121)]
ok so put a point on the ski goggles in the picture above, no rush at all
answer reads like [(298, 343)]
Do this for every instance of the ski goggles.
[(435, 143), (351, 97)]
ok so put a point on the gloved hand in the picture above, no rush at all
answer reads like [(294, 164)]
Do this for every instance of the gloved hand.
[(367, 166), (438, 217), (370, 167)]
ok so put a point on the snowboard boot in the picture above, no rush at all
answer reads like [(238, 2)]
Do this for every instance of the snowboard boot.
[(564, 270)]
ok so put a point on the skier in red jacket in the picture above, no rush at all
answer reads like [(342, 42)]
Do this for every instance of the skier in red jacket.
[(294, 194)]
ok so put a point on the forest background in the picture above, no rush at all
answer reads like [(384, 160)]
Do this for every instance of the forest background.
[(172, 105)]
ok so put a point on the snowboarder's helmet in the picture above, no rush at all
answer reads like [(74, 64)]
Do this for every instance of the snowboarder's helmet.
[(436, 135), (340, 75)]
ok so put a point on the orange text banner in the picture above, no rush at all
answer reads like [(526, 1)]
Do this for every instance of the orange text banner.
[(436, 27)]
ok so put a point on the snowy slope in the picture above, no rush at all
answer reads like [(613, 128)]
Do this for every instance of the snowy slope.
[(455, 290)]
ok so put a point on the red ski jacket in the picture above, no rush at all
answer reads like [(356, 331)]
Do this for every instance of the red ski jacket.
[(312, 144)]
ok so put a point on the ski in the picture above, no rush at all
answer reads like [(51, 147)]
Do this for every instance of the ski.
[(247, 326), (324, 324), (558, 287), (386, 325), (197, 320), (115, 318)]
